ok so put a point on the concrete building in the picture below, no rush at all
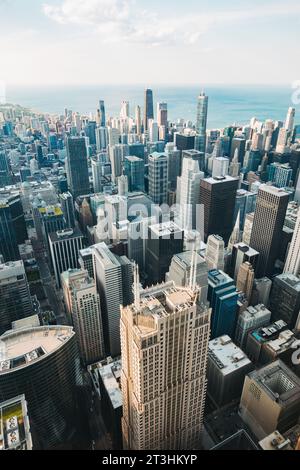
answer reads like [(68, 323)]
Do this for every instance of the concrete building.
[(285, 299), (15, 425), (249, 320), (215, 253), (245, 279), (258, 338), (158, 177), (292, 264), (242, 253), (270, 400), (165, 338), (227, 367)]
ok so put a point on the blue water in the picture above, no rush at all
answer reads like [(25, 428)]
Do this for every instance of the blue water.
[(227, 104)]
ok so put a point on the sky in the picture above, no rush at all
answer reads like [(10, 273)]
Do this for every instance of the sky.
[(71, 42)]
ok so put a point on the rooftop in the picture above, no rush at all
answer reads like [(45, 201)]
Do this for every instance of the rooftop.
[(14, 425), (11, 269), (20, 348), (228, 357), (65, 234), (111, 376), (165, 229)]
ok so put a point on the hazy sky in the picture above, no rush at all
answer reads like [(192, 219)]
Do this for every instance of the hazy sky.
[(149, 42)]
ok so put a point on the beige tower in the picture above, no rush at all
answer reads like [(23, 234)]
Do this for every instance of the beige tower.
[(164, 340), (245, 279)]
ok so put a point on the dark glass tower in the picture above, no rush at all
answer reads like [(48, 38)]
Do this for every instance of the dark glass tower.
[(12, 227), (77, 166), (149, 113), (102, 113)]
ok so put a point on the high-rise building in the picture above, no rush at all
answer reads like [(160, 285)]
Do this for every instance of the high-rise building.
[(258, 338), (292, 264), (97, 169), (101, 138), (248, 226), (158, 177), (162, 114), (242, 253), (85, 261), (180, 272), (174, 164), (270, 212), (135, 172), (13, 230), (83, 307), (149, 112), (290, 119), (15, 425), (64, 248), (43, 362), (102, 113), (117, 155), (164, 241), (220, 167), (77, 166), (238, 147), (109, 274), (201, 123), (15, 299), (67, 205), (270, 399), (227, 367), (249, 320), (188, 193), (138, 120), (245, 279), (215, 252), (285, 299), (164, 339), (223, 298), (218, 197)]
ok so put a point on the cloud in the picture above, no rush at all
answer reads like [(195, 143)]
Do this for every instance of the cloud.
[(122, 20)]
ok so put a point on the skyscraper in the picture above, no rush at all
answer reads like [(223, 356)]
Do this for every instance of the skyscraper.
[(245, 279), (162, 114), (149, 112), (138, 120), (64, 248), (270, 212), (218, 196), (292, 264), (158, 177), (43, 362), (102, 113), (83, 306), (285, 299), (67, 205), (97, 167), (201, 122), (15, 298), (12, 226), (164, 339), (77, 166), (188, 193), (135, 172), (290, 119), (215, 252)]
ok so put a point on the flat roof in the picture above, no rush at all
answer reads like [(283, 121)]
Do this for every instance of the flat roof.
[(11, 269), (110, 375), (14, 425), (226, 355), (20, 348), (165, 229)]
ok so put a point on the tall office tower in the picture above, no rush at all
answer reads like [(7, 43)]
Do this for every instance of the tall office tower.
[(43, 362), (188, 193), (5, 173), (249, 219), (124, 114), (102, 113), (122, 185), (281, 175), (64, 249), (270, 212), (153, 131), (108, 272), (270, 399), (149, 112), (158, 177), (164, 241), (220, 167), (138, 120), (77, 166), (197, 156), (242, 253), (223, 297), (67, 205), (83, 306), (101, 138), (180, 272), (15, 425), (218, 197), (245, 279), (282, 141), (227, 367), (15, 302), (162, 114), (245, 204), (167, 331), (117, 155), (13, 230), (135, 171), (85, 261), (285, 299), (90, 132), (249, 320), (292, 264), (238, 149), (290, 120), (174, 164), (184, 141), (215, 252), (97, 169), (202, 109), (235, 166), (113, 136)]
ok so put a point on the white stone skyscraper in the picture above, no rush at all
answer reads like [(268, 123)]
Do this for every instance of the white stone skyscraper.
[(215, 252), (188, 192), (201, 123), (292, 264), (83, 307), (164, 337), (290, 119)]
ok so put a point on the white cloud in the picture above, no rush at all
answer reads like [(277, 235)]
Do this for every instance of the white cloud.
[(121, 20)]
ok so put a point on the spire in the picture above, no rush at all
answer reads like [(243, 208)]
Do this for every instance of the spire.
[(236, 234)]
